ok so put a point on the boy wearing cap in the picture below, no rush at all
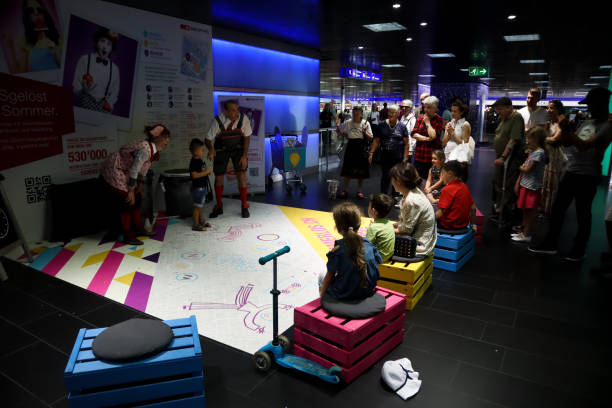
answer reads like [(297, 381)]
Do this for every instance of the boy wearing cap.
[(96, 77), (508, 145), (580, 181)]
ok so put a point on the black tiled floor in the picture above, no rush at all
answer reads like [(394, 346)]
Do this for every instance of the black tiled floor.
[(509, 329), (38, 368), (58, 329)]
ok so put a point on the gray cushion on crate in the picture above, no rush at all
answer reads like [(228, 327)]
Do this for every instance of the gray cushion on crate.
[(354, 309), (132, 340)]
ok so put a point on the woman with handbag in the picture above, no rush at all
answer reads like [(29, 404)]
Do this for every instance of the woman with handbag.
[(556, 156), (356, 165), (456, 140)]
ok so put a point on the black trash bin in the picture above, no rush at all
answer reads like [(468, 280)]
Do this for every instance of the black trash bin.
[(176, 185)]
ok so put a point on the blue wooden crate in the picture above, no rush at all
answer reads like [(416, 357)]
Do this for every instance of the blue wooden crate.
[(172, 378), (455, 242), (453, 255), (453, 266)]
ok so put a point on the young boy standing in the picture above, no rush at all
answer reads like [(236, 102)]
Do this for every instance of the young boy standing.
[(456, 207), (199, 186), (381, 232)]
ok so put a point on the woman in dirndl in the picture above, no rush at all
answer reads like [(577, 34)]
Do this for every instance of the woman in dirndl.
[(356, 166)]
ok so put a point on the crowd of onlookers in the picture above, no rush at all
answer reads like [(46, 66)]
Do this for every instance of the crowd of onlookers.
[(544, 162)]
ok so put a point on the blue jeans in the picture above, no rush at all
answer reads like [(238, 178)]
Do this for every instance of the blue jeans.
[(198, 195)]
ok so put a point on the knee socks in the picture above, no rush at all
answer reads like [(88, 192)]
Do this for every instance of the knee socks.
[(219, 194), (135, 214), (243, 196), (125, 221)]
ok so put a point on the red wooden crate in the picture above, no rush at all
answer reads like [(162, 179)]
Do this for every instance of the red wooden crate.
[(347, 333), (350, 373), (479, 219)]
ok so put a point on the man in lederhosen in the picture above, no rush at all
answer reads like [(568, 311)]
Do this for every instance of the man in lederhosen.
[(228, 138)]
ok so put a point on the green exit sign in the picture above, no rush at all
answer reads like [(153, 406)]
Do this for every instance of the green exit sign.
[(478, 71)]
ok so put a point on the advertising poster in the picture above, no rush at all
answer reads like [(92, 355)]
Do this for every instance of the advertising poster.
[(252, 107), (120, 69), (31, 37)]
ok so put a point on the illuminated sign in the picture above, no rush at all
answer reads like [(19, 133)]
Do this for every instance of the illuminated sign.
[(359, 74)]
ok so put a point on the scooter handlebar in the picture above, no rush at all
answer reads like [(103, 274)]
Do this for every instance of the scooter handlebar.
[(265, 259)]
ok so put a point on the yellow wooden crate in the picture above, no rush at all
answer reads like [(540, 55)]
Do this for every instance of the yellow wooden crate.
[(408, 289), (399, 271), (412, 302)]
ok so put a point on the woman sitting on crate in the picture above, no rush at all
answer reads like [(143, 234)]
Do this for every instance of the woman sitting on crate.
[(417, 218), (123, 174), (359, 134)]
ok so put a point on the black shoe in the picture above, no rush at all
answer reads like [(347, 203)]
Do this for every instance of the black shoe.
[(217, 211), (130, 239), (245, 212), (543, 248)]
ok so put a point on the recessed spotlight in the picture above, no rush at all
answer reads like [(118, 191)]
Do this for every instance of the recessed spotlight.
[(441, 55), (335, 78), (392, 66), (385, 27), (464, 69), (409, 39), (427, 76), (605, 66), (423, 24), (514, 92), (511, 17), (395, 80), (538, 73), (599, 77), (534, 61), (397, 5), (523, 37), (487, 79), (591, 84), (360, 47), (322, 82)]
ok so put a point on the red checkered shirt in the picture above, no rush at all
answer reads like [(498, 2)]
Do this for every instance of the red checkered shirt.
[(423, 150)]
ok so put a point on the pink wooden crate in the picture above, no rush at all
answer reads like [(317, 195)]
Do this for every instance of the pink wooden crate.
[(348, 357), (347, 333), (479, 219), (350, 373)]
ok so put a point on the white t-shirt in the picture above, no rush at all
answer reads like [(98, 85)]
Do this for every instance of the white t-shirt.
[(537, 117), (354, 130), (410, 120), (214, 130), (374, 117)]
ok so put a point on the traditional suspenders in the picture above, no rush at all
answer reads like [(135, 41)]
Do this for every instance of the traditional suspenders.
[(110, 74)]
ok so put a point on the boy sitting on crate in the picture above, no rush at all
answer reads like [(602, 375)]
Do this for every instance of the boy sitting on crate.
[(230, 132), (456, 207), (381, 232)]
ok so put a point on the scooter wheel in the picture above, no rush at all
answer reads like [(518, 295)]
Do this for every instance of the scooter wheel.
[(263, 361), (285, 343)]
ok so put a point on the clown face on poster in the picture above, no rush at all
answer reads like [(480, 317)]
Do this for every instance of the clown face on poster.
[(252, 107)]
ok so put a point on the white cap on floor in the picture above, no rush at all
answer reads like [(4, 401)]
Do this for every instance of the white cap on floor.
[(400, 377)]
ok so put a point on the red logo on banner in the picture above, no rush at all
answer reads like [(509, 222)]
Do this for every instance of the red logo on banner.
[(34, 116)]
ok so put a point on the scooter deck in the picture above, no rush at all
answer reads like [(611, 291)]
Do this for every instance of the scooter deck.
[(307, 366)]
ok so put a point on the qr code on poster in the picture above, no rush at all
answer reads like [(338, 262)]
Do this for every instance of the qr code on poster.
[(36, 188), (254, 171)]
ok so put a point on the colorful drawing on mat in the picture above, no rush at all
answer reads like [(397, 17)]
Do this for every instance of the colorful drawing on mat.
[(255, 317), (186, 276), (236, 262), (235, 232), (268, 237), (193, 255)]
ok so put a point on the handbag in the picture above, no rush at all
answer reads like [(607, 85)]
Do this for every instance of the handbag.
[(461, 153)]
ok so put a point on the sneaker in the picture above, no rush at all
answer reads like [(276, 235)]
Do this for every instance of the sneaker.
[(197, 228), (217, 211), (543, 248), (245, 212), (142, 232), (575, 257), (521, 238), (130, 239), (205, 225)]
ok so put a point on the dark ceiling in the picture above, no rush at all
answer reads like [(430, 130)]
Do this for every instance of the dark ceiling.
[(574, 42)]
